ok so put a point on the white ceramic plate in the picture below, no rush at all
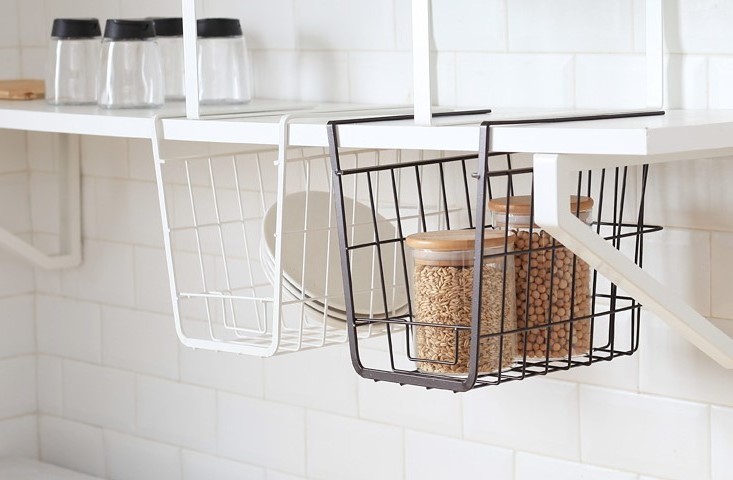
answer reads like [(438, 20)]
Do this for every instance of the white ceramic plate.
[(316, 307), (313, 309), (318, 247)]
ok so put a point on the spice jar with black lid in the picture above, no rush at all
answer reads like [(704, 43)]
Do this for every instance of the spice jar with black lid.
[(73, 59), (131, 72), (169, 35), (223, 63)]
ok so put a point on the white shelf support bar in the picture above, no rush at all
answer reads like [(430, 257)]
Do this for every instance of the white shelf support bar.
[(69, 204), (421, 62), (552, 184), (191, 79), (655, 53)]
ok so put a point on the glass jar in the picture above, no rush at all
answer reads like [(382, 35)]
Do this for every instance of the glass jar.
[(169, 35), (73, 59), (223, 64), (130, 73), (443, 293), (553, 285)]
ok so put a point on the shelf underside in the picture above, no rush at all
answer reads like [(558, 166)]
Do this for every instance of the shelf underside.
[(679, 131)]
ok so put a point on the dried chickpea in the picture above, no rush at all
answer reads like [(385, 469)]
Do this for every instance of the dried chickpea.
[(552, 284)]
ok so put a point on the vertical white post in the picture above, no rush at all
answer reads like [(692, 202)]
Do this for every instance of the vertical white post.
[(654, 53), (189, 55), (421, 71), (69, 196)]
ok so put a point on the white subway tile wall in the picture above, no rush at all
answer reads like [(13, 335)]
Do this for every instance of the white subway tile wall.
[(69, 328), (139, 341), (176, 413), (92, 376), (433, 457), (530, 467), (132, 458), (366, 450), (646, 434), (543, 417), (73, 445), (672, 367), (199, 466), (50, 375), (722, 443), (570, 26), (432, 411), (99, 396), (18, 394), (18, 337), (263, 433), (19, 437)]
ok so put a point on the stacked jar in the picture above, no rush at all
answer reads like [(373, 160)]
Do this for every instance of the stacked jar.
[(552, 284), (443, 294)]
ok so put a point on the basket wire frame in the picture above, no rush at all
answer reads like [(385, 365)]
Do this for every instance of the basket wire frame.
[(451, 192), (225, 296)]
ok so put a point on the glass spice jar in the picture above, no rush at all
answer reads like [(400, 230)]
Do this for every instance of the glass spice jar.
[(169, 35), (73, 57), (131, 72), (223, 62), (443, 293), (552, 284)]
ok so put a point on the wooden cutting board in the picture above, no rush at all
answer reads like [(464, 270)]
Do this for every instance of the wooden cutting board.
[(25, 89)]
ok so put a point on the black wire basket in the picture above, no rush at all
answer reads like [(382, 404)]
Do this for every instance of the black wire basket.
[(512, 302)]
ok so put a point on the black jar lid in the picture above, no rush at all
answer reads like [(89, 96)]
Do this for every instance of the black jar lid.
[(168, 27), (120, 29), (75, 28), (218, 27)]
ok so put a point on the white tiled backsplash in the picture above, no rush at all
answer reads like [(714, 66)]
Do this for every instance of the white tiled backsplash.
[(93, 378)]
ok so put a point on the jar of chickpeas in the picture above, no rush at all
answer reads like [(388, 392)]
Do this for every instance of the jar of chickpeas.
[(443, 301), (552, 284)]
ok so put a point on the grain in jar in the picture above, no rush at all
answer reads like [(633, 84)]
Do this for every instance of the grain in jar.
[(552, 284), (443, 293)]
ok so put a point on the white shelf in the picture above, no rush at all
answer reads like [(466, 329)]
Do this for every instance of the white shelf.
[(37, 116), (679, 131)]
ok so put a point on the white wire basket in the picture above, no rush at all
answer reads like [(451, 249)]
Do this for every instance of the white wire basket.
[(252, 249)]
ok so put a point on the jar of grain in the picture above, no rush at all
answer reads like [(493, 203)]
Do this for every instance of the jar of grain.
[(553, 285), (443, 293)]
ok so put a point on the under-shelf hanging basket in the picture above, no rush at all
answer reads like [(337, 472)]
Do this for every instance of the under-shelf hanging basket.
[(492, 297), (252, 250)]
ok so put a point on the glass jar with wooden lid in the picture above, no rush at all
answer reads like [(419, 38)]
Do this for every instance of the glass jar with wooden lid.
[(552, 284), (442, 301)]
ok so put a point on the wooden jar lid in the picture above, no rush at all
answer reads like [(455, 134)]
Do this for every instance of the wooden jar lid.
[(456, 240), (522, 204)]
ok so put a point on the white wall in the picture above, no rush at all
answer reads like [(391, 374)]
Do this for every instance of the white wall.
[(119, 397), (18, 419)]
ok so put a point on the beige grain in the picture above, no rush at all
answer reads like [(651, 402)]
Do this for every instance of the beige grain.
[(443, 296)]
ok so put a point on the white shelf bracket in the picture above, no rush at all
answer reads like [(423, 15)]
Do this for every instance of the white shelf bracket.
[(190, 62), (552, 184), (422, 62), (655, 53), (69, 204)]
